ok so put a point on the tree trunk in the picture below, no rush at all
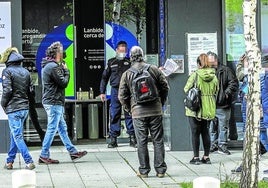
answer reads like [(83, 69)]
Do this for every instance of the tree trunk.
[(116, 11), (249, 176)]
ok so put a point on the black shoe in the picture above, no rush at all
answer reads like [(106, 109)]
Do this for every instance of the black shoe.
[(195, 161), (213, 148), (78, 155), (223, 150), (237, 170), (113, 143), (206, 161), (132, 141)]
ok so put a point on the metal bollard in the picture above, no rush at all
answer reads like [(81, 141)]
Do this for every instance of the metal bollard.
[(206, 182), (23, 178)]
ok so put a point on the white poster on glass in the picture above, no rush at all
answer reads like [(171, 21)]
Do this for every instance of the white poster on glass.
[(5, 26), (5, 41), (198, 43)]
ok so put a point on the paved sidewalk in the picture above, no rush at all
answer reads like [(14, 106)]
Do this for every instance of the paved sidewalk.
[(104, 167)]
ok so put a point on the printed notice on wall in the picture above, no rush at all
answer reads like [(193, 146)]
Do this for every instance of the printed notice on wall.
[(200, 43), (5, 26)]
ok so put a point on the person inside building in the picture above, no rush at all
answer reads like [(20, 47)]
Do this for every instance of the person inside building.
[(228, 88), (55, 78), (199, 121), (146, 112), (17, 88), (115, 67)]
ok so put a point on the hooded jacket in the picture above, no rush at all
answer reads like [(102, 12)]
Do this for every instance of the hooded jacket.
[(147, 109), (207, 82), (54, 81), (17, 85)]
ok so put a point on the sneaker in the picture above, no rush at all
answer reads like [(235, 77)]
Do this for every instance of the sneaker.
[(195, 161), (213, 148), (237, 170), (30, 166), (142, 175), (78, 155), (43, 160), (224, 150), (206, 161), (159, 175), (8, 166)]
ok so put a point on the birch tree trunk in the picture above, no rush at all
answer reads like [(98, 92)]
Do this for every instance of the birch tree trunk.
[(249, 176)]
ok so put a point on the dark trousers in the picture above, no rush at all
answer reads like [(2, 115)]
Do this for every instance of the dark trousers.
[(115, 116), (200, 128), (142, 128)]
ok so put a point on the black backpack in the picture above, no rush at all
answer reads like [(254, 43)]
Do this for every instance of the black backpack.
[(143, 85), (193, 98)]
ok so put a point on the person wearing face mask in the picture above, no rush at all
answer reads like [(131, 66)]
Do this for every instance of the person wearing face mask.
[(115, 67)]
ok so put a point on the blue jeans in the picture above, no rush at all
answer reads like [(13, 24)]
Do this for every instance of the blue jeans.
[(115, 116), (56, 122), (223, 116), (16, 121)]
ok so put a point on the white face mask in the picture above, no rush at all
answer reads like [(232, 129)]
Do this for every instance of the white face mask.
[(120, 56)]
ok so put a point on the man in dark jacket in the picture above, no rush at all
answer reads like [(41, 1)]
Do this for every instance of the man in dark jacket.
[(115, 68), (228, 87), (55, 78), (147, 117), (17, 88)]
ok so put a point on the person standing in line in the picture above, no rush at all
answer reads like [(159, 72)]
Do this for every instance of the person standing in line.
[(55, 78), (115, 68), (147, 117), (199, 121), (17, 88), (242, 75), (228, 88)]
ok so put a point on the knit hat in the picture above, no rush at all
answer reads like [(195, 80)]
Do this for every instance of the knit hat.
[(11, 55), (136, 54)]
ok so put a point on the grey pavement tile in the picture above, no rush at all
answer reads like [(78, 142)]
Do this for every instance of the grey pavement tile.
[(105, 167)]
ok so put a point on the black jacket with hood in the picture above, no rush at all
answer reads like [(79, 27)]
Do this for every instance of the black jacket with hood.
[(55, 79), (17, 85)]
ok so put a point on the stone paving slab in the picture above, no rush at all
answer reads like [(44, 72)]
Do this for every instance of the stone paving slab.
[(105, 167)]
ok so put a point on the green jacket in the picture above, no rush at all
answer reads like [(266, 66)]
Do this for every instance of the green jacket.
[(207, 82)]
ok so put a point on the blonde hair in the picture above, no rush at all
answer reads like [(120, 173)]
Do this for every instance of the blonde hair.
[(202, 61)]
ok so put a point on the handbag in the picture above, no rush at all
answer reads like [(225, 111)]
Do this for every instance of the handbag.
[(193, 97)]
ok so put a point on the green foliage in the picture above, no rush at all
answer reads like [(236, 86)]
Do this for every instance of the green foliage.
[(130, 12), (68, 9), (233, 14), (227, 184), (263, 184)]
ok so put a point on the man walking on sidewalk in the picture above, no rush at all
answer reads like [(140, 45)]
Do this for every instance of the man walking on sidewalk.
[(55, 78), (17, 88)]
